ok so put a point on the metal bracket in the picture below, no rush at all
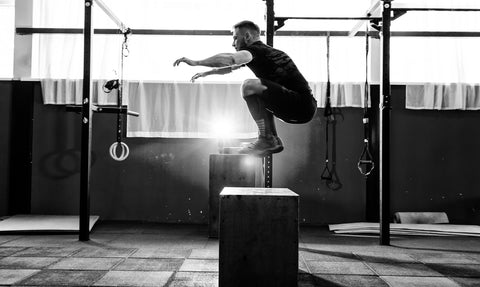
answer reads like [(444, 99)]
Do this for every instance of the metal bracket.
[(398, 13), (280, 23)]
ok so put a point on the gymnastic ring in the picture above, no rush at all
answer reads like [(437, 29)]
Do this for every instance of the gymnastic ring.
[(123, 155)]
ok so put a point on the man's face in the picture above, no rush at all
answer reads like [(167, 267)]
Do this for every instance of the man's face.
[(239, 39)]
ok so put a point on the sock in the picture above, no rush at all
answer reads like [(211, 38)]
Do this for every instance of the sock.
[(262, 117), (261, 127), (270, 123)]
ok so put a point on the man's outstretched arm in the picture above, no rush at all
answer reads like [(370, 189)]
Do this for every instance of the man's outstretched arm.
[(219, 60), (217, 71)]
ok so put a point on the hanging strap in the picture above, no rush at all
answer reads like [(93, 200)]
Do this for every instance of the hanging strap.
[(124, 148), (365, 163), (326, 173), (124, 53), (328, 114)]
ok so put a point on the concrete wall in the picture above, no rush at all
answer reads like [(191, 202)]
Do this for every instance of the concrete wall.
[(435, 157)]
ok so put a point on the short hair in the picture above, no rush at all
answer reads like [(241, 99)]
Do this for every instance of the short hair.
[(249, 25)]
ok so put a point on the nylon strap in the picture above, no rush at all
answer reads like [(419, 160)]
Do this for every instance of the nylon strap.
[(365, 163), (124, 54), (327, 113)]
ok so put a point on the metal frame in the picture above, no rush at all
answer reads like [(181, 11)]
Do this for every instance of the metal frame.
[(270, 31), (112, 16), (86, 145), (384, 126), (385, 6), (385, 105), (87, 111), (29, 31), (372, 10), (438, 9)]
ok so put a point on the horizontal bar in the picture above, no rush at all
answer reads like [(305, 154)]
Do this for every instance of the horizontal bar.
[(112, 16), (452, 34), (438, 9), (26, 31), (328, 18), (103, 109), (320, 33)]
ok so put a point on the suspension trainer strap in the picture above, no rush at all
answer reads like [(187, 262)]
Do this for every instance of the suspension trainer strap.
[(365, 162), (328, 114), (326, 173)]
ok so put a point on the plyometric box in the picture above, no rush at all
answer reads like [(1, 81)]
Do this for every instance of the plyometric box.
[(233, 170), (258, 237)]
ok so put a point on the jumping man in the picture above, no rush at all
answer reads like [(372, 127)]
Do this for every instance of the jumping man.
[(279, 90)]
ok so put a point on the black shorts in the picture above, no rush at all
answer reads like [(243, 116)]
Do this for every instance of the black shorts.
[(289, 106)]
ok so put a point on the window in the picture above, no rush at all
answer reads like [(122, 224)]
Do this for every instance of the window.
[(151, 56), (414, 59), (7, 30)]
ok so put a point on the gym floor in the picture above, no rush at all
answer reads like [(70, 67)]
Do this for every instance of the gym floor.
[(141, 254)]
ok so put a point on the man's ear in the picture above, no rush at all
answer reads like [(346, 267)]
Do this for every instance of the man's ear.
[(247, 36)]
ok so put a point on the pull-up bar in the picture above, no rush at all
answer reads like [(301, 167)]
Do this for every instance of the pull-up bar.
[(439, 9), (281, 20), (327, 18), (399, 10)]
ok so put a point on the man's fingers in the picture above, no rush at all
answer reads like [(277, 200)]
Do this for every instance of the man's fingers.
[(196, 76), (178, 61)]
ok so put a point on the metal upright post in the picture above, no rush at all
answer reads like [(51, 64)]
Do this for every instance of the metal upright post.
[(385, 107), (86, 126), (270, 18), (270, 15)]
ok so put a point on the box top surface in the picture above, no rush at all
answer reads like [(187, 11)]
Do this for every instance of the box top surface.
[(256, 191)]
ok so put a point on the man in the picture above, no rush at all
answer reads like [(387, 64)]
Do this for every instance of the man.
[(280, 89)]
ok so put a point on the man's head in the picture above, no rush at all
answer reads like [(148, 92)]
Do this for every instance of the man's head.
[(244, 34)]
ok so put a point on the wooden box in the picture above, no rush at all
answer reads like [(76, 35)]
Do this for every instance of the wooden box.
[(230, 170), (258, 237)]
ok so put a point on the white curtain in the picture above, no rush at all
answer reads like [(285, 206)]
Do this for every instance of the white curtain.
[(169, 106), (186, 110), (149, 66), (440, 73), (443, 97)]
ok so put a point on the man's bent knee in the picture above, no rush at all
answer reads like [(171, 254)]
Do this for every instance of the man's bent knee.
[(252, 87)]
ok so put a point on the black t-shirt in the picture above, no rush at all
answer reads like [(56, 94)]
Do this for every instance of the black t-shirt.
[(276, 66)]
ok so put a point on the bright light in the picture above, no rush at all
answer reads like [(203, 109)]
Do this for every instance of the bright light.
[(222, 128), (249, 161)]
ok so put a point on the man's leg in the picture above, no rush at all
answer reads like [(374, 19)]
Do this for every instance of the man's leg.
[(267, 142), (251, 89)]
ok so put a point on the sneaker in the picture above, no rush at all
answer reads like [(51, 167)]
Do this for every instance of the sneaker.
[(263, 146)]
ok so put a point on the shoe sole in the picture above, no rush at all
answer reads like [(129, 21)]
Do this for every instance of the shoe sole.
[(267, 152)]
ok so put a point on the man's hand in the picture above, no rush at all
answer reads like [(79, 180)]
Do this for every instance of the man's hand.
[(186, 61), (198, 75)]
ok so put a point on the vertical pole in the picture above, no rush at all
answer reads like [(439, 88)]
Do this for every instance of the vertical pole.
[(384, 122), (86, 126), (270, 18)]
